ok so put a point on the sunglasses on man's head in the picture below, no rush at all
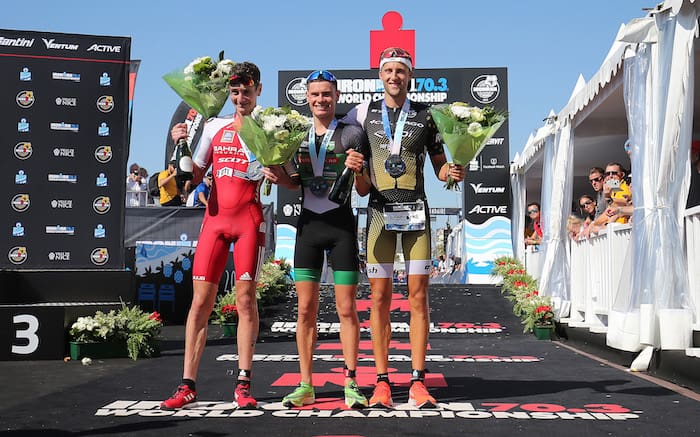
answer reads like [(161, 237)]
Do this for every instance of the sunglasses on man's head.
[(598, 179), (533, 211), (321, 75), (585, 204)]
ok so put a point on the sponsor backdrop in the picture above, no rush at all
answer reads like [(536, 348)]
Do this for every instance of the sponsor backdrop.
[(486, 201), (64, 139)]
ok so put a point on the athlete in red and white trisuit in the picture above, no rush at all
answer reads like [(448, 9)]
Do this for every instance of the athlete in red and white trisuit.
[(233, 215)]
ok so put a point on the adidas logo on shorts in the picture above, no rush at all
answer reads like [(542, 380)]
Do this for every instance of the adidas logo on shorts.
[(245, 277)]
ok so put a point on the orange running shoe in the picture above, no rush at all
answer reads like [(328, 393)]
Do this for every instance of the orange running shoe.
[(418, 396), (381, 397)]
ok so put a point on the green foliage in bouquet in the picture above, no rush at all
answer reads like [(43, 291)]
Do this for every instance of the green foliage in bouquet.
[(274, 134), (203, 84), (465, 130)]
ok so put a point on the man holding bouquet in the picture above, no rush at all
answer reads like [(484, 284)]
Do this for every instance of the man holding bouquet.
[(399, 133), (233, 215), (324, 226)]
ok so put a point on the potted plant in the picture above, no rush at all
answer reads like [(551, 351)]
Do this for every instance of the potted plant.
[(539, 317), (226, 313), (128, 332)]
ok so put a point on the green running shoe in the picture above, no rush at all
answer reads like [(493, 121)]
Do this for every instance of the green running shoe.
[(354, 397), (302, 395)]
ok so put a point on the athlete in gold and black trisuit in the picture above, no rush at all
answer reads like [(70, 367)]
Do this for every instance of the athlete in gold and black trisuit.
[(400, 133)]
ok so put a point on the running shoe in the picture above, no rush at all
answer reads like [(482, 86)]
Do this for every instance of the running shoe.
[(302, 395), (381, 397), (242, 397), (354, 397), (418, 396), (182, 396)]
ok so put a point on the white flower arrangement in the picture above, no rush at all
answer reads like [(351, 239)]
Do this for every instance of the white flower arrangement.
[(203, 83)]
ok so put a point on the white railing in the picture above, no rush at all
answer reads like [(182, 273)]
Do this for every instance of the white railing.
[(692, 248), (597, 271)]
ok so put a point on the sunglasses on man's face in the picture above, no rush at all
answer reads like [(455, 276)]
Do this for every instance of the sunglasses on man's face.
[(321, 75), (533, 211), (598, 179), (612, 173)]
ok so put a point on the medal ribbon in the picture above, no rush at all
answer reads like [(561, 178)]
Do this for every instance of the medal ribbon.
[(395, 142), (318, 159)]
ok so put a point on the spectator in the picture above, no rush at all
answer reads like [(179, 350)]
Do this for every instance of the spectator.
[(144, 197), (135, 186), (199, 197), (694, 189), (596, 177), (588, 208), (535, 238), (620, 208), (169, 192), (575, 226)]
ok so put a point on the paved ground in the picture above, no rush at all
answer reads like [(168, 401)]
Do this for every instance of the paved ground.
[(489, 377)]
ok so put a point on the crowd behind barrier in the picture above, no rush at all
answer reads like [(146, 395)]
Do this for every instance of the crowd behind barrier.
[(600, 274)]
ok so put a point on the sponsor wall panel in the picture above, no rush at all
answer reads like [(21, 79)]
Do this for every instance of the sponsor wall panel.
[(64, 139)]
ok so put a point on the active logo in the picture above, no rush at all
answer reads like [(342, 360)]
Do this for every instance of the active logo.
[(104, 48)]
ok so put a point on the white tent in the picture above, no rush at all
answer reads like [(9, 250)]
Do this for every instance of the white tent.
[(644, 91)]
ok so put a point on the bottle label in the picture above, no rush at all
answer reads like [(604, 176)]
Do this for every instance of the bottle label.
[(186, 164)]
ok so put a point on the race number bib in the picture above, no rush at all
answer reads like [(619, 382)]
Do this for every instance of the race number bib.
[(405, 216)]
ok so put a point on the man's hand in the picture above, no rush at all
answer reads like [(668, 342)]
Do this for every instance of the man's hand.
[(354, 160), (456, 172)]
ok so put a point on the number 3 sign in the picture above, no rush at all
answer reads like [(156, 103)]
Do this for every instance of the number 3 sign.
[(31, 332)]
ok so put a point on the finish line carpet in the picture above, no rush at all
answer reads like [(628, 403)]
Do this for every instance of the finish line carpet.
[(488, 376)]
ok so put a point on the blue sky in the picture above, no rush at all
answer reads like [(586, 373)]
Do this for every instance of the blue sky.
[(545, 44)]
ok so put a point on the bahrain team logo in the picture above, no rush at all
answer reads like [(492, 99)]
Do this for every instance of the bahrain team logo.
[(101, 204)]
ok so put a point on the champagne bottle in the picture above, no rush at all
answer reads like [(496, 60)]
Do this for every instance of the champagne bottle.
[(342, 188), (183, 156)]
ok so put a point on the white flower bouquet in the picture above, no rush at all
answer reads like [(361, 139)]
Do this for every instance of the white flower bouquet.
[(203, 84), (274, 135), (465, 130)]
